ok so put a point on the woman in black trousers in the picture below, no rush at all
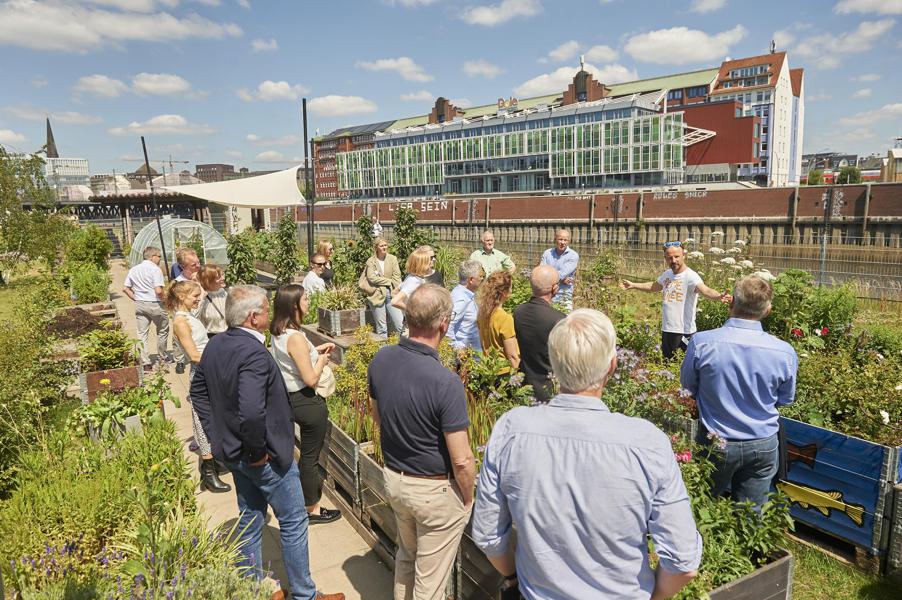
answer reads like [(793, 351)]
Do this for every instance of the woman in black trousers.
[(302, 365)]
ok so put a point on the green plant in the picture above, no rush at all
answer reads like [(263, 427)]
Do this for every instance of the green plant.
[(107, 413), (350, 407), (108, 348), (816, 177), (447, 262), (350, 256), (195, 242), (605, 265), (522, 292), (639, 336), (883, 339), (285, 257), (342, 297), (89, 244), (88, 283), (849, 174), (407, 236), (240, 250)]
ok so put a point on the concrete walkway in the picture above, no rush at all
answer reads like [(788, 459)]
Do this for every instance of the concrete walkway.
[(340, 560)]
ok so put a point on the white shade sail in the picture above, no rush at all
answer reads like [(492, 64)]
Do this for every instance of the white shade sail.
[(263, 191)]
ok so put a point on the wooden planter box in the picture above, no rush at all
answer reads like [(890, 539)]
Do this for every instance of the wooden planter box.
[(340, 457), (120, 379), (340, 322), (374, 504), (839, 484), (894, 552)]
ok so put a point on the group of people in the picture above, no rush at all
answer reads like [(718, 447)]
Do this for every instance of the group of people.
[(584, 488)]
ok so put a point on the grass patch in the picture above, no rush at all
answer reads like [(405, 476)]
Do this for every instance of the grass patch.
[(819, 577)]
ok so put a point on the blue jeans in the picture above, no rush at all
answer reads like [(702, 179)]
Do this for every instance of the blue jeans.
[(257, 487), (745, 469), (381, 319)]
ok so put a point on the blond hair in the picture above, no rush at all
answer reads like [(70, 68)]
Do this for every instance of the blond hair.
[(418, 262), (322, 247), (174, 295), (491, 295), (581, 348)]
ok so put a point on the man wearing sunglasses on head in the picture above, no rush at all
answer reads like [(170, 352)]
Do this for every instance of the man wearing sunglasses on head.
[(680, 287)]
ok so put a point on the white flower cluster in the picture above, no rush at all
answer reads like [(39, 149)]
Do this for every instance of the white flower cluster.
[(746, 264), (688, 241), (765, 275), (696, 255), (728, 261), (715, 250), (740, 243), (717, 234), (735, 250)]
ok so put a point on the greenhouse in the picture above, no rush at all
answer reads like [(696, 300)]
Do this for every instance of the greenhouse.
[(206, 241)]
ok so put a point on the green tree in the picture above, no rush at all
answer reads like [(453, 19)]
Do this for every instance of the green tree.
[(407, 236), (89, 245), (850, 174), (816, 177), (350, 257), (286, 258), (240, 251)]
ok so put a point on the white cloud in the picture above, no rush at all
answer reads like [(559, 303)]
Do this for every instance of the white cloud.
[(565, 51), (461, 102), (496, 14), (887, 111), (601, 54), (275, 157), (682, 46), (881, 7), (244, 4), (867, 77), (827, 48), (270, 91), (482, 68), (31, 113), (286, 140), (706, 6), (411, 3), (159, 84), (39, 82), (70, 26), (163, 125), (421, 96), (863, 93), (8, 136), (818, 98), (269, 45), (339, 106), (783, 38), (403, 65), (100, 85), (558, 80)]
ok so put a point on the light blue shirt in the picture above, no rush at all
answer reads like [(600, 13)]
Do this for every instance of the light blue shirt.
[(463, 331), (739, 375), (584, 487), (566, 264)]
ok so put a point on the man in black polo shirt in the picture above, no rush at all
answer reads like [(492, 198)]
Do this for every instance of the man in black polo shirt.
[(421, 409), (533, 323)]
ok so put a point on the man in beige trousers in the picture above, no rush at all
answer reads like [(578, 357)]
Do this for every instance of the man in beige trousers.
[(421, 409)]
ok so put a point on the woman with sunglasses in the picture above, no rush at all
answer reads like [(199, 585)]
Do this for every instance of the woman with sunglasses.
[(313, 281), (680, 287), (302, 365), (326, 248), (419, 265)]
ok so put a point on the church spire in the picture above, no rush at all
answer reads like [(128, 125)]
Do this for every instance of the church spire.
[(52, 152)]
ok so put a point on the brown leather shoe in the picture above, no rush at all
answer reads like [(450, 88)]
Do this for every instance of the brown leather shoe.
[(337, 596), (279, 595)]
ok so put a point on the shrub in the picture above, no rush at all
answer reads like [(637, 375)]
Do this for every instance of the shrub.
[(88, 283), (108, 348), (605, 265), (522, 293), (350, 256), (107, 413), (89, 245), (447, 262), (882, 339), (240, 250), (832, 313), (285, 256), (342, 297), (349, 406), (407, 236)]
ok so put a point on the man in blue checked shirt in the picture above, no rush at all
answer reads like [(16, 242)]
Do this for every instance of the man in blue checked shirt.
[(565, 259), (463, 331), (584, 487), (739, 375)]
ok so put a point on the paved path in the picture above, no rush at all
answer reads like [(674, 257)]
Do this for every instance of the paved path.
[(340, 560)]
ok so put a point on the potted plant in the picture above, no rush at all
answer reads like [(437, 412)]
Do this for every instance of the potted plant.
[(108, 354), (105, 417), (340, 310)]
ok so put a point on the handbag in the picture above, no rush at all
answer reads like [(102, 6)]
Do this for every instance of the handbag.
[(325, 387), (364, 284)]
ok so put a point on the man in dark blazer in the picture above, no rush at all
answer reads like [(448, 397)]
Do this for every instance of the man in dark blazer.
[(240, 397)]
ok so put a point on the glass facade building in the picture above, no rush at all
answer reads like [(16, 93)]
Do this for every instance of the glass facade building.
[(616, 142)]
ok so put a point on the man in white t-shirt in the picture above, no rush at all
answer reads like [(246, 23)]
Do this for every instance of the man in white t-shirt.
[(680, 287), (313, 281), (144, 285)]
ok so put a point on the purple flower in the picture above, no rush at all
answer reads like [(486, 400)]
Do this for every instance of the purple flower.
[(718, 441)]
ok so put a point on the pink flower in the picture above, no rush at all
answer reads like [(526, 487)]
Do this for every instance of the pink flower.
[(825, 331), (796, 332), (683, 457)]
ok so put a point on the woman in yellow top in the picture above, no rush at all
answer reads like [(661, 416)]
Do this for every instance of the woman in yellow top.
[(496, 325)]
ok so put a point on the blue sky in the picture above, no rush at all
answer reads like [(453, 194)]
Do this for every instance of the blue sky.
[(221, 80)]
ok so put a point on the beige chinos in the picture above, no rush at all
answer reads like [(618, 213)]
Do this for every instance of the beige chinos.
[(431, 518)]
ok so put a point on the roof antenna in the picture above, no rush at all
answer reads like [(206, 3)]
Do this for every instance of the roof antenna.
[(582, 62), (773, 46)]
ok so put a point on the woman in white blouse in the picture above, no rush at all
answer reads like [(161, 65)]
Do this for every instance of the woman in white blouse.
[(211, 310), (302, 365), (420, 263), (182, 298)]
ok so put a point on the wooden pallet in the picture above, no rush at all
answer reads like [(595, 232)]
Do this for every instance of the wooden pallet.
[(842, 551)]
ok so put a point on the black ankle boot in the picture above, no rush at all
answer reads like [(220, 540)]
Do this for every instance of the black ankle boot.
[(221, 469), (209, 480)]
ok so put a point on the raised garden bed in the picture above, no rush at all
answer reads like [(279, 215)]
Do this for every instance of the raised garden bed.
[(340, 457), (374, 504), (340, 322), (94, 382)]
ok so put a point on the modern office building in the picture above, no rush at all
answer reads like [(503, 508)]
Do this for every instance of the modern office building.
[(684, 128), (215, 172)]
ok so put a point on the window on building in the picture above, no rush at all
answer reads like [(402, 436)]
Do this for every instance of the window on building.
[(675, 95)]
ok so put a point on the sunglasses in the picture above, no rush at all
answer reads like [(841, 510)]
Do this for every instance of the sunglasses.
[(672, 244), (319, 264)]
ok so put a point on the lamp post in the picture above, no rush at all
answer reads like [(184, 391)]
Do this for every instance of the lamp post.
[(309, 181)]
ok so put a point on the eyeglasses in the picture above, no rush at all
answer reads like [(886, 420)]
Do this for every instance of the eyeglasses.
[(672, 244), (318, 264)]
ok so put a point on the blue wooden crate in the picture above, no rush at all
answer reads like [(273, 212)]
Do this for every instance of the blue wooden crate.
[(838, 483)]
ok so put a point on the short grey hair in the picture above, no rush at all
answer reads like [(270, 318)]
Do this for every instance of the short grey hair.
[(581, 348), (242, 301), (752, 297), (485, 233), (427, 306), (468, 268), (151, 251)]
